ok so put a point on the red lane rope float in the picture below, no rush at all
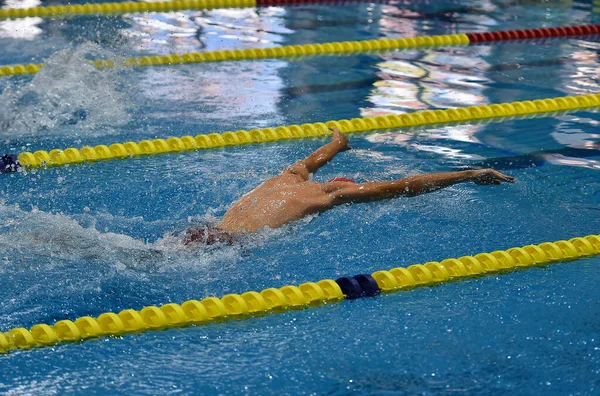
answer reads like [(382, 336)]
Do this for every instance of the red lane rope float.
[(528, 34)]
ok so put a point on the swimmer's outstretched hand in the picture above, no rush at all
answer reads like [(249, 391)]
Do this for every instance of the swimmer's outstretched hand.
[(488, 176), (340, 138)]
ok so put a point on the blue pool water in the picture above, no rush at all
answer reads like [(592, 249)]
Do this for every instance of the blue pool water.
[(92, 238)]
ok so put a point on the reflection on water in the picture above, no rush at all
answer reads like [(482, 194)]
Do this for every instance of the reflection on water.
[(416, 80), (191, 31), (584, 71), (431, 140), (420, 80), (273, 92), (152, 32), (570, 161), (217, 95)]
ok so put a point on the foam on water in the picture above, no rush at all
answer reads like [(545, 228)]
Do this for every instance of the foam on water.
[(38, 234), (49, 239), (68, 90)]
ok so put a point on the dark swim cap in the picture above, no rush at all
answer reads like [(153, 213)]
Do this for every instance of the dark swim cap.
[(208, 235), (9, 163), (341, 179)]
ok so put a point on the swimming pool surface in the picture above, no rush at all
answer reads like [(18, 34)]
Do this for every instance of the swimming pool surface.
[(92, 238)]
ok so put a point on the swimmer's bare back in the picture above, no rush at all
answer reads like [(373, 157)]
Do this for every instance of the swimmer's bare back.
[(291, 195)]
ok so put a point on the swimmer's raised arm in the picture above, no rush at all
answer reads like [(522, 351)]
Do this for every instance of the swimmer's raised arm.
[(412, 186), (321, 156)]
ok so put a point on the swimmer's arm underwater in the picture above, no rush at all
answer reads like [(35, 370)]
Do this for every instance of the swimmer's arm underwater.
[(321, 156), (414, 185)]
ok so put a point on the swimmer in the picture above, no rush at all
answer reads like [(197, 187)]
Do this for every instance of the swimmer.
[(291, 195)]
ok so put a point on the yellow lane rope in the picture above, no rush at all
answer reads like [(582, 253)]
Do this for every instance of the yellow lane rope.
[(471, 114), (273, 300), (342, 47), (119, 8), (162, 6)]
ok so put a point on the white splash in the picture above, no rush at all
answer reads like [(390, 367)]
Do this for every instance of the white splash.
[(41, 235), (68, 90)]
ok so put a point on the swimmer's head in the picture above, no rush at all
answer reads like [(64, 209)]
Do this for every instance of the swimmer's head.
[(341, 179)]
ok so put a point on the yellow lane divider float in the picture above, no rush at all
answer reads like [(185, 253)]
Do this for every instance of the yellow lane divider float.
[(120, 8), (490, 113), (343, 47), (332, 48), (276, 300), (161, 6)]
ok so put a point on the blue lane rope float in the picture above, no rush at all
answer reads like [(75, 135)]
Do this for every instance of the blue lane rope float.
[(310, 294), (362, 285), (9, 163)]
